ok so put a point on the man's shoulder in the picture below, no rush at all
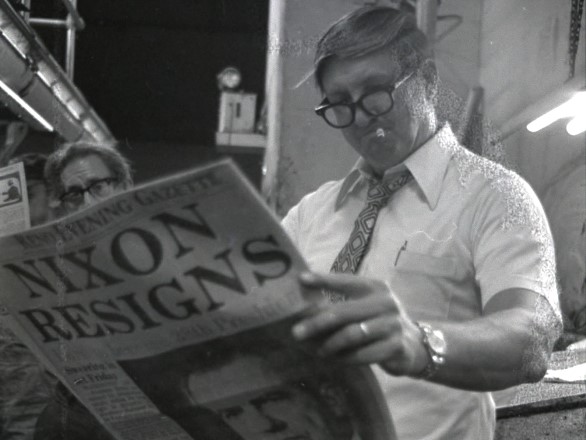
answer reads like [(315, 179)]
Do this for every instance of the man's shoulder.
[(326, 193), (475, 174), (492, 186)]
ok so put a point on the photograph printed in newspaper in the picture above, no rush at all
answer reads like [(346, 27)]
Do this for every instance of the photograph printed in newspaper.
[(14, 208)]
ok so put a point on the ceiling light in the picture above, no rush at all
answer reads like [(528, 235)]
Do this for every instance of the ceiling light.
[(573, 107), (22, 103), (577, 125)]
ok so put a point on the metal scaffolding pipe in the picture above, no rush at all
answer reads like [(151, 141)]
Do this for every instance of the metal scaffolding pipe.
[(77, 21), (30, 71), (72, 23), (49, 22), (70, 48)]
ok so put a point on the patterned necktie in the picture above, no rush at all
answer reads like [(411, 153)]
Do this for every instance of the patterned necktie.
[(349, 258)]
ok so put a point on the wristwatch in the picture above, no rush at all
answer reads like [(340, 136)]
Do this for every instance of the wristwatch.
[(435, 344)]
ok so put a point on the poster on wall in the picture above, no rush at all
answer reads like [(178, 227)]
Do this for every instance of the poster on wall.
[(14, 209)]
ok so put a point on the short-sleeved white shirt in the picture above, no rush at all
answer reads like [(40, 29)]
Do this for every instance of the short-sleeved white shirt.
[(462, 230)]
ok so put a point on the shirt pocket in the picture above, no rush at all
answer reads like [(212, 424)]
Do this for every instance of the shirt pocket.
[(425, 264), (430, 287)]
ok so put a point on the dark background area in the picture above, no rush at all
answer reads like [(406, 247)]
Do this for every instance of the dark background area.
[(148, 68)]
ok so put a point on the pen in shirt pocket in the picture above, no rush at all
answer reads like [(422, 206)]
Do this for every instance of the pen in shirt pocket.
[(403, 248)]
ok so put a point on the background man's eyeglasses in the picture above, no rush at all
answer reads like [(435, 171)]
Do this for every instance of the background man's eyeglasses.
[(98, 188), (376, 103)]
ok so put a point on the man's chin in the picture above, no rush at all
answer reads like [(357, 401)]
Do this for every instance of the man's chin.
[(378, 165)]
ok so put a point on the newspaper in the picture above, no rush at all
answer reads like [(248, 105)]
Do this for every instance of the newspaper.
[(166, 310), (14, 208)]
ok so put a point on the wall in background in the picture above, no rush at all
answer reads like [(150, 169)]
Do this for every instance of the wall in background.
[(524, 59)]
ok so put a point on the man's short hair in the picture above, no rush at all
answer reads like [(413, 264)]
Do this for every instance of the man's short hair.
[(58, 160), (371, 29), (34, 165)]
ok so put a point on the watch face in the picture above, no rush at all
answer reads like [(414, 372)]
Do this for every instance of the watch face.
[(437, 342)]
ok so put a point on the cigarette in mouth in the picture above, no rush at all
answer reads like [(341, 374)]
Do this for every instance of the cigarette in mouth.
[(380, 133)]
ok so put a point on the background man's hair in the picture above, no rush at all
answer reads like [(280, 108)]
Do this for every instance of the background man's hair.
[(370, 29), (58, 160)]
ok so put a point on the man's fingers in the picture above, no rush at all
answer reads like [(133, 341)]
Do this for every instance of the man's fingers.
[(350, 286), (332, 317), (357, 334)]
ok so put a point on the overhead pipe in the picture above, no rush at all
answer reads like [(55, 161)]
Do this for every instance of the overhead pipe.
[(31, 72)]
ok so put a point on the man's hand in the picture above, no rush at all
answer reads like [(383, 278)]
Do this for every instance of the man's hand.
[(368, 326)]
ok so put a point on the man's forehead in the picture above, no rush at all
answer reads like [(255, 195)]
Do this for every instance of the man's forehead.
[(82, 169), (374, 68)]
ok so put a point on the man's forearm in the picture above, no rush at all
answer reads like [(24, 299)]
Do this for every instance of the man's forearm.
[(502, 349)]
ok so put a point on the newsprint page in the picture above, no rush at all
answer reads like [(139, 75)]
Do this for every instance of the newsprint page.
[(166, 310)]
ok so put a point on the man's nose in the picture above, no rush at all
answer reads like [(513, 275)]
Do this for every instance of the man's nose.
[(361, 118), (269, 424), (88, 199)]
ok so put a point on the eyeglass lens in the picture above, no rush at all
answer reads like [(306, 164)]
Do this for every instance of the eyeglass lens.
[(98, 188), (374, 104)]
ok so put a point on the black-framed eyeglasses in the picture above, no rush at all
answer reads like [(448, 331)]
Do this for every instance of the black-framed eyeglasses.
[(374, 103), (98, 188)]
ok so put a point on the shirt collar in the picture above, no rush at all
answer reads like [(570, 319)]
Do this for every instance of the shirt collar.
[(428, 165)]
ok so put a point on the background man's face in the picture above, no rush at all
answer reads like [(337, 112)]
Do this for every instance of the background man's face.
[(271, 410), (405, 127), (80, 173)]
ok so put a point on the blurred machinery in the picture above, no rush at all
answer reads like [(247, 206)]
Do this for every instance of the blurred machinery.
[(238, 130)]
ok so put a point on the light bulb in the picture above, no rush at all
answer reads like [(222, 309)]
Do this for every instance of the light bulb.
[(572, 107), (229, 78), (577, 125)]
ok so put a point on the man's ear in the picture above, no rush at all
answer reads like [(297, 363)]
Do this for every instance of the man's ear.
[(334, 396)]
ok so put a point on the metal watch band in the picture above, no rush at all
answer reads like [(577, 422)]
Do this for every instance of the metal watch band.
[(435, 352)]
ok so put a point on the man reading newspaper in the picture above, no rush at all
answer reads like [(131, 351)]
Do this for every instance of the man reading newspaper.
[(442, 263)]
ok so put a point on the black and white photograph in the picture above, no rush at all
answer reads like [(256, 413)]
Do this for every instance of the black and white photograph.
[(292, 219), (255, 386)]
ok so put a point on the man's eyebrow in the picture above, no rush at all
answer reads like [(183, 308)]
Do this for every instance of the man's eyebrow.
[(72, 188), (89, 183), (270, 396), (372, 83), (230, 410)]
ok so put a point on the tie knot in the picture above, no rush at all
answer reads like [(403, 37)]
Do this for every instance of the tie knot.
[(379, 191)]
